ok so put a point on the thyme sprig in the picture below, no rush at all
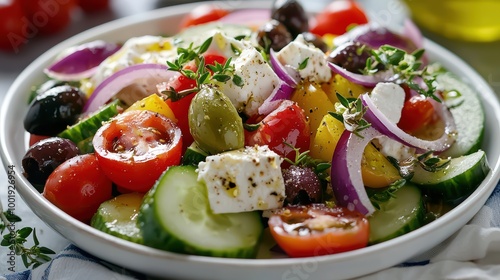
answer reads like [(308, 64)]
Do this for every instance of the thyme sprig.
[(204, 74), (320, 168), (378, 197), (15, 241), (350, 112), (428, 161), (407, 67)]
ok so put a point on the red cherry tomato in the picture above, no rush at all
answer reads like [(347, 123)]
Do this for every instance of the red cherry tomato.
[(180, 107), (314, 230), (78, 186), (287, 124), (36, 138), (202, 14), (12, 25), (135, 148), (416, 114), (48, 16), (337, 17), (90, 6)]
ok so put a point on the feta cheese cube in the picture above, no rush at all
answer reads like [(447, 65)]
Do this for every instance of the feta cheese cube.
[(389, 99), (296, 52), (243, 180), (259, 80)]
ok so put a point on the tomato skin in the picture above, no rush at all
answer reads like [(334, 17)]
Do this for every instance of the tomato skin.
[(337, 17), (136, 147), (48, 16), (416, 114), (286, 124), (203, 14), (36, 138), (12, 33), (78, 186), (324, 230)]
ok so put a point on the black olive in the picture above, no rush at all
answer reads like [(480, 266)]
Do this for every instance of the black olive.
[(44, 156), (55, 109), (302, 185), (352, 56), (316, 40), (37, 90), (292, 15), (273, 34)]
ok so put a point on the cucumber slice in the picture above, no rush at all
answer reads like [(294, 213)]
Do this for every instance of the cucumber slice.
[(176, 216), (118, 217), (468, 114), (87, 127), (460, 178), (199, 33), (193, 155), (397, 216)]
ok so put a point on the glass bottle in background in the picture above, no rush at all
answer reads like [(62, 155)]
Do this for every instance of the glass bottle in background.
[(470, 20)]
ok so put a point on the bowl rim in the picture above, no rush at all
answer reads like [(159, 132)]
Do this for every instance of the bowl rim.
[(54, 216)]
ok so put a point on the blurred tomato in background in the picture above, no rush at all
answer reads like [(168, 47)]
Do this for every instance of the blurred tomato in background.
[(23, 20)]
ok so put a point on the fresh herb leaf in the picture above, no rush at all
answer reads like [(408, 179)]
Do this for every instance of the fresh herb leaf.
[(251, 127), (378, 197), (14, 240), (303, 64), (350, 112), (320, 168)]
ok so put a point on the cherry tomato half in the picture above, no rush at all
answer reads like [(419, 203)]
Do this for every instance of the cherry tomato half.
[(337, 17), (286, 125), (416, 114), (135, 148), (203, 14), (315, 230), (78, 186)]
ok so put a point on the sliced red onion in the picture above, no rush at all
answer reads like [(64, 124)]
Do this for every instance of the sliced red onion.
[(82, 62), (380, 122), (281, 92), (346, 179), (288, 75), (375, 36), (364, 80), (149, 74), (249, 17)]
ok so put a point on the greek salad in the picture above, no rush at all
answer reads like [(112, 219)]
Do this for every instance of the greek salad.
[(328, 133)]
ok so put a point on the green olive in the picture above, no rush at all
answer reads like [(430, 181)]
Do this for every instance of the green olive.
[(214, 122)]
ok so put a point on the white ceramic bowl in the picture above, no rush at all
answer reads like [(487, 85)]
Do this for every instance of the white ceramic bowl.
[(164, 264)]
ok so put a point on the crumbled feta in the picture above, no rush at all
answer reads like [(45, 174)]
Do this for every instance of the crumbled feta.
[(395, 149), (389, 99), (243, 180), (144, 49), (227, 46), (259, 80), (297, 51)]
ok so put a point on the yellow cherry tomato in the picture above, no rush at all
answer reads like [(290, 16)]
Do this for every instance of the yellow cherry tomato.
[(313, 100), (155, 104)]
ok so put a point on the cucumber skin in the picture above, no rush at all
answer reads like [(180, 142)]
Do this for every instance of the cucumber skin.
[(99, 222), (85, 129), (154, 235), (459, 186), (420, 221), (193, 155)]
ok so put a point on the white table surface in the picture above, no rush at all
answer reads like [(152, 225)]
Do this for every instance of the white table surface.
[(484, 57)]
